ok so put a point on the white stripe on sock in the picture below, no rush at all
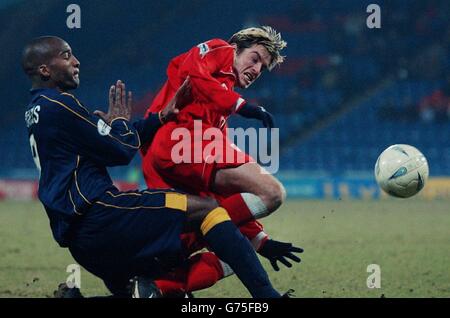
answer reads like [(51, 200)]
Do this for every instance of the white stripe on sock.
[(227, 270), (257, 240), (255, 205)]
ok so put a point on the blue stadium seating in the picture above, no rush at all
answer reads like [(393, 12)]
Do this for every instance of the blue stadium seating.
[(353, 142), (155, 33)]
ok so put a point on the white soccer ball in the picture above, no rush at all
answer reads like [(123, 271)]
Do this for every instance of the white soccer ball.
[(401, 171)]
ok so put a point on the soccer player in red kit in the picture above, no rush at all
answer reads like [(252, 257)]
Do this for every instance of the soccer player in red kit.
[(242, 187)]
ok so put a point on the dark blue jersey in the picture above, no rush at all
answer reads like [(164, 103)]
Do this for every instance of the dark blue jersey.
[(72, 148)]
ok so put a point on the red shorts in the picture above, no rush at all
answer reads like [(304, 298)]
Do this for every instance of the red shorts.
[(184, 158), (195, 177)]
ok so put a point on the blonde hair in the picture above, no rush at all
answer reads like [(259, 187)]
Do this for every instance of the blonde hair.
[(264, 35)]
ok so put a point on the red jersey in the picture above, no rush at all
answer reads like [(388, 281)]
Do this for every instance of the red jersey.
[(209, 66)]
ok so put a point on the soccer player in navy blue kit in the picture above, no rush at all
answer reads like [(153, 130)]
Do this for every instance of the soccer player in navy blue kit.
[(115, 235)]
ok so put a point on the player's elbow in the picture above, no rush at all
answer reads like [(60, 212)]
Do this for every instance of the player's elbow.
[(123, 157)]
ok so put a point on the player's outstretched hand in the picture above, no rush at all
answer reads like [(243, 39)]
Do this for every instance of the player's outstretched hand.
[(257, 112), (279, 251), (182, 98), (119, 105)]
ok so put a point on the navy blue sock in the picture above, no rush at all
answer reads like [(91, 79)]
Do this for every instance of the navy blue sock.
[(234, 249)]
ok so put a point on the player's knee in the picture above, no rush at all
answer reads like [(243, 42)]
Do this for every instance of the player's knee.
[(283, 193), (201, 205), (274, 196), (209, 204), (198, 209)]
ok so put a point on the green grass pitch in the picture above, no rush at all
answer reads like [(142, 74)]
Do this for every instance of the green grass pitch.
[(408, 239)]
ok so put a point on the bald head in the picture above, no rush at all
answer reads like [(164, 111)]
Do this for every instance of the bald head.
[(40, 51), (48, 61)]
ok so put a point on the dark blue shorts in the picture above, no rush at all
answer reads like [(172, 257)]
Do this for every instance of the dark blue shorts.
[(127, 233)]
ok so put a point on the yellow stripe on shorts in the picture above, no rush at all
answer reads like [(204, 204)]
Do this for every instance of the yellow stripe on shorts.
[(176, 201)]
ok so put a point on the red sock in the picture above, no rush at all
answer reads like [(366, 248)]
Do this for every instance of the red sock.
[(173, 283), (237, 209), (205, 271)]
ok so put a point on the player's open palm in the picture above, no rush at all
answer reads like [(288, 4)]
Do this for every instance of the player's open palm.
[(120, 105)]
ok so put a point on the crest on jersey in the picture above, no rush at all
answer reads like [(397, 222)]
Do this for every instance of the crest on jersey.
[(103, 128), (204, 48)]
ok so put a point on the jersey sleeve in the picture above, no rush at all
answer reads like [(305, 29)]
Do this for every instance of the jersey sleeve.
[(201, 64), (88, 135)]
